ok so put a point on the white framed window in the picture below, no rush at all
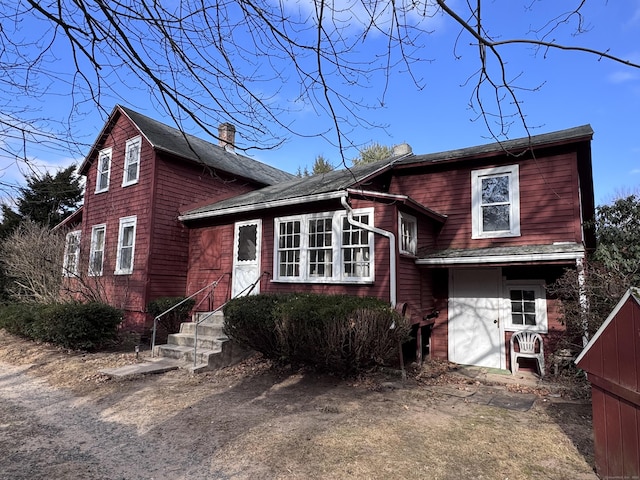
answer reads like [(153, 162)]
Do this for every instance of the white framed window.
[(408, 233), (324, 247), (132, 161), (103, 170), (96, 255), (495, 202), (71, 254), (126, 245), (526, 306)]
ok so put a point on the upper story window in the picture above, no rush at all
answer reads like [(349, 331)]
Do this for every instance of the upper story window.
[(495, 202), (527, 306), (104, 170), (96, 256), (71, 254), (324, 247), (126, 245), (408, 233), (132, 161)]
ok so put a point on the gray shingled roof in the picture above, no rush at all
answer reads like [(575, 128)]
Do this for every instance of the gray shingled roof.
[(171, 140), (559, 251), (336, 181), (515, 146)]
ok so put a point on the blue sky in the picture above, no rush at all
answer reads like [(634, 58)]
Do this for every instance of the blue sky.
[(571, 89)]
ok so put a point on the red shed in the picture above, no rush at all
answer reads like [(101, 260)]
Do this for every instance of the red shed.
[(612, 360)]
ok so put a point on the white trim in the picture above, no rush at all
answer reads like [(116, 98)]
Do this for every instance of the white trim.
[(413, 235), (262, 206), (94, 229), (538, 286), (71, 271), (512, 172), (337, 247), (124, 223), (104, 152), (489, 259), (130, 144)]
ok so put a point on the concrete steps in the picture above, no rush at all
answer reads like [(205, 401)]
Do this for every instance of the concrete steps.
[(214, 348)]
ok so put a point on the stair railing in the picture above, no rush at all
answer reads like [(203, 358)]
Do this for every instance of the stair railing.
[(212, 286), (245, 291)]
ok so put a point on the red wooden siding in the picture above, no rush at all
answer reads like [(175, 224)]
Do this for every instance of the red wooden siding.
[(210, 259), (122, 291), (612, 361), (549, 200), (616, 354), (178, 184)]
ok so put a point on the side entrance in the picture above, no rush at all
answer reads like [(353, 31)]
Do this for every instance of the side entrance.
[(246, 257), (476, 326)]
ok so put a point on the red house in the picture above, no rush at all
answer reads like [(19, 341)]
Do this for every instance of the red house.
[(127, 245), (464, 240)]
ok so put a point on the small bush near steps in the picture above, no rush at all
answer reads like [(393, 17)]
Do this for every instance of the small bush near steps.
[(169, 323), (336, 333), (78, 326)]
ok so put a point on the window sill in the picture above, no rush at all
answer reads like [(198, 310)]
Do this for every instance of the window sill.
[(324, 281), (526, 328), (481, 236), (123, 272)]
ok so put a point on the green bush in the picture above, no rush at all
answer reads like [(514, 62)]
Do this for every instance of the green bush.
[(19, 318), (79, 326), (169, 323), (330, 332)]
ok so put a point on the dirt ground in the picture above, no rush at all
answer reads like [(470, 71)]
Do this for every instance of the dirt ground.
[(61, 419)]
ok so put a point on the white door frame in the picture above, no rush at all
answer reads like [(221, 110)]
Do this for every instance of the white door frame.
[(487, 318), (246, 261)]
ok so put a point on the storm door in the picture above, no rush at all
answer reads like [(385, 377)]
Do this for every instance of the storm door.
[(246, 257)]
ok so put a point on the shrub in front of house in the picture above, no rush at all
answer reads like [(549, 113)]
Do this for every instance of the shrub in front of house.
[(169, 323), (78, 326), (330, 332)]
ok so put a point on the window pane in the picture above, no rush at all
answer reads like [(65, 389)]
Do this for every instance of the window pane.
[(523, 307), (495, 190), (495, 218), (247, 237), (125, 258)]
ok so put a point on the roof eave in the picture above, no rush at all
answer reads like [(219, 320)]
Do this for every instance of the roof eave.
[(261, 206), (501, 259)]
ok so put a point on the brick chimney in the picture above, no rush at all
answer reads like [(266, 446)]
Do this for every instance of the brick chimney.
[(227, 136)]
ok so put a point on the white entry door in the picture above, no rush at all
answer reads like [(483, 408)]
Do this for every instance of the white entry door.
[(246, 257), (476, 335)]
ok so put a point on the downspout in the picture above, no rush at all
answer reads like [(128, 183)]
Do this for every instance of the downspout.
[(392, 247)]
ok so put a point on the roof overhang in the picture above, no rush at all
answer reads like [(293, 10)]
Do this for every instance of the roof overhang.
[(262, 206), (555, 253), (286, 202)]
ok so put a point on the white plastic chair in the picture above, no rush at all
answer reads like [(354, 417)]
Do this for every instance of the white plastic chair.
[(527, 349)]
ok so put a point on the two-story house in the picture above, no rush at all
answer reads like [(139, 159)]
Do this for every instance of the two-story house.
[(126, 245), (464, 242)]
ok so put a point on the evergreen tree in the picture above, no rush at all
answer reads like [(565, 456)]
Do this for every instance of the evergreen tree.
[(48, 199), (321, 165), (373, 153)]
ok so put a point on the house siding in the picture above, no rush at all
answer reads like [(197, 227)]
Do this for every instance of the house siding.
[(549, 200), (122, 291), (178, 184)]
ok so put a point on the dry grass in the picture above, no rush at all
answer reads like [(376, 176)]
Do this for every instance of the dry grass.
[(260, 421)]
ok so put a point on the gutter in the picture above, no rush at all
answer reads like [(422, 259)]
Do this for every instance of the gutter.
[(392, 247), (260, 206)]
